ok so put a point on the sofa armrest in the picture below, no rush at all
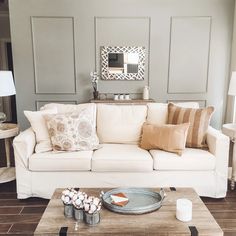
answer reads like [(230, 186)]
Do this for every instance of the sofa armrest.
[(24, 145), (218, 144)]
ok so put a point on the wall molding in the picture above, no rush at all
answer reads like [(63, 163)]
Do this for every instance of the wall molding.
[(208, 55), (34, 56), (37, 105), (200, 101)]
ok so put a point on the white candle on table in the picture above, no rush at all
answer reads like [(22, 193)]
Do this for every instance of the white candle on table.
[(184, 209)]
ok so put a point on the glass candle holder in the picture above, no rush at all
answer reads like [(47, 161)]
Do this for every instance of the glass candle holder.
[(68, 210), (92, 219), (78, 214)]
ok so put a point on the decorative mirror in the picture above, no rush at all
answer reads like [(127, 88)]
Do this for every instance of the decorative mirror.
[(122, 63)]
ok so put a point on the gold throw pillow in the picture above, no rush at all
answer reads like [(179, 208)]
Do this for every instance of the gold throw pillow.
[(171, 138), (199, 120)]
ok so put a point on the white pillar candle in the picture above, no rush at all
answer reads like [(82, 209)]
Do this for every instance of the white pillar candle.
[(184, 209)]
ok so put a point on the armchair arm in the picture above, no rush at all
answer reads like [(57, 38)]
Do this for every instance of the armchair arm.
[(218, 144), (24, 145)]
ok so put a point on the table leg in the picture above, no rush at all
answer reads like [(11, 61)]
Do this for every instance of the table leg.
[(7, 148), (233, 167)]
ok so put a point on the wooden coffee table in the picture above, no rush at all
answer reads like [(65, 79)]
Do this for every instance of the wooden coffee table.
[(162, 222)]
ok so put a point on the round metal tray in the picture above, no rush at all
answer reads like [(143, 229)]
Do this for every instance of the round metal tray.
[(140, 200)]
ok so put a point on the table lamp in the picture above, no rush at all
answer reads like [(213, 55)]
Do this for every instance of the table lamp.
[(7, 88)]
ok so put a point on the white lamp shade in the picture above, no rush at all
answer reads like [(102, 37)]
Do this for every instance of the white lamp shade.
[(7, 86)]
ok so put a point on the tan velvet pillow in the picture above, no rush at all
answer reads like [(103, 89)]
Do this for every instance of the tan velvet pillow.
[(171, 138), (199, 120)]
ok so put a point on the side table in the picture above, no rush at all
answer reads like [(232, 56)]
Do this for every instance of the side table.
[(230, 131), (7, 132)]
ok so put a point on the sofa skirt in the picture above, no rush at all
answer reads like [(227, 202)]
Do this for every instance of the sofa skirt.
[(43, 184)]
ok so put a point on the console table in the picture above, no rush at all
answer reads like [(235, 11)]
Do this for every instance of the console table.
[(131, 101), (7, 132)]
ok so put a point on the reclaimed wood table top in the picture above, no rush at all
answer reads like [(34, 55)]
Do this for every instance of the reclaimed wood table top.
[(161, 222)]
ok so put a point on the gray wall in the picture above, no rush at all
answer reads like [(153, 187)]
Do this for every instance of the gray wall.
[(56, 43)]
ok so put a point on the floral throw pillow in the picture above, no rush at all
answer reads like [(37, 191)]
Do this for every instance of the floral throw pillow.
[(72, 131)]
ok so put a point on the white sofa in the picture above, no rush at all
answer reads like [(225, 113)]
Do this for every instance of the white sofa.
[(119, 161)]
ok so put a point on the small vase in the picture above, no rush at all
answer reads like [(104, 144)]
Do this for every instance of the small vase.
[(78, 214), (92, 219), (95, 95), (116, 96), (68, 210), (146, 92)]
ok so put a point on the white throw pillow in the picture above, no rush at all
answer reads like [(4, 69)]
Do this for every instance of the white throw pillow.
[(38, 124)]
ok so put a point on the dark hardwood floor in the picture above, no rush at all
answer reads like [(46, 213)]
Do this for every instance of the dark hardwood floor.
[(224, 211), (17, 217), (20, 217)]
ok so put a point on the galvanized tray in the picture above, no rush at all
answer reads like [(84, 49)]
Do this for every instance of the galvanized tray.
[(140, 200)]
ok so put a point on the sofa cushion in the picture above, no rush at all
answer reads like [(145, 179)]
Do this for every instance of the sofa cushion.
[(191, 159), (121, 157), (157, 113), (64, 161), (120, 123)]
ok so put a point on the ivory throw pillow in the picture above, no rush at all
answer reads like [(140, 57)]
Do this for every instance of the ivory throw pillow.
[(72, 131), (199, 120), (38, 124), (170, 138)]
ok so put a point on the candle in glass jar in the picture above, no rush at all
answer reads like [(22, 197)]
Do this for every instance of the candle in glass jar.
[(184, 209)]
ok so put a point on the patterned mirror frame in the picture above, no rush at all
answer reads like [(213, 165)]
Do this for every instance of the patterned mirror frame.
[(105, 75)]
